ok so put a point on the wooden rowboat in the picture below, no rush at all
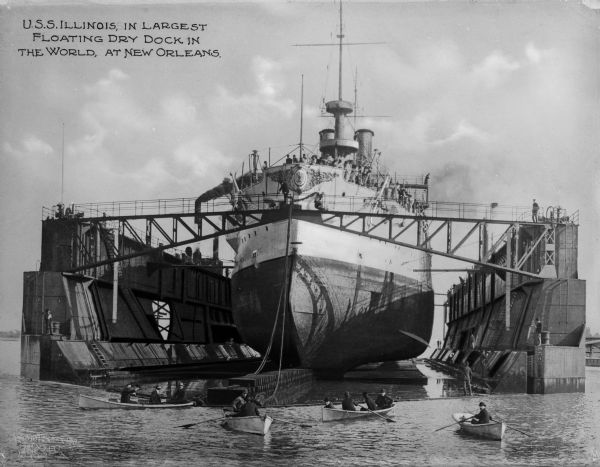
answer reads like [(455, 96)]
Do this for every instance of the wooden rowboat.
[(89, 402), (334, 415), (256, 425), (493, 430)]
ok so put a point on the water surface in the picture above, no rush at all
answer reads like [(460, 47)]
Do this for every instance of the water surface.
[(41, 424)]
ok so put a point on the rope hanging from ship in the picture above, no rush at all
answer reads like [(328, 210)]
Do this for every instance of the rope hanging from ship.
[(284, 292)]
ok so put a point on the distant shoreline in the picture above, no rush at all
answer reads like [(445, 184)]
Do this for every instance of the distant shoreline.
[(10, 335)]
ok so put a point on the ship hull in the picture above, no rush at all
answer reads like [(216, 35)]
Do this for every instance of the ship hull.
[(340, 314), (351, 298)]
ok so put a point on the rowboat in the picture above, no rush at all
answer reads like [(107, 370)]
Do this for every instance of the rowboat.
[(256, 425), (89, 402), (493, 430), (334, 415)]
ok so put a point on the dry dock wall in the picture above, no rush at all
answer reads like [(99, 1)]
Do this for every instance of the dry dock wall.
[(552, 369)]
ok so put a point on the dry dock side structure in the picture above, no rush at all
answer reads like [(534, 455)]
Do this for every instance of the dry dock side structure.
[(521, 333), (88, 313)]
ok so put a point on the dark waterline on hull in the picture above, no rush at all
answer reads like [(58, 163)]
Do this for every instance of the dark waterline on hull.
[(333, 332)]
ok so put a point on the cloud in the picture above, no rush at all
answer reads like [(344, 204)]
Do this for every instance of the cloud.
[(35, 145), (31, 147), (31, 157), (494, 70), (464, 130), (262, 104), (533, 53), (179, 110)]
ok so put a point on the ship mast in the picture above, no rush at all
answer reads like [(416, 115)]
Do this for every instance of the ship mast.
[(338, 142), (340, 36), (301, 113)]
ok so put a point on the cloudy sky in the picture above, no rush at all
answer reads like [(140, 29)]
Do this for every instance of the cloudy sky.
[(498, 101)]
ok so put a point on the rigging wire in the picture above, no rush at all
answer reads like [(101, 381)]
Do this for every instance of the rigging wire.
[(285, 296), (268, 350)]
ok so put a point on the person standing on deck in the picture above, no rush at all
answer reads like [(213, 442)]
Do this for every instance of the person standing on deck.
[(383, 401), (534, 211), (285, 190), (240, 401), (483, 416), (538, 332), (370, 404), (48, 321), (347, 402)]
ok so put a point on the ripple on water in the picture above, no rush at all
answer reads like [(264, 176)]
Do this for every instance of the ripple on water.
[(564, 430)]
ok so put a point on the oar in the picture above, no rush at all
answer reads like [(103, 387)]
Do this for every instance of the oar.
[(513, 428), (459, 422), (188, 425), (379, 415), (294, 423)]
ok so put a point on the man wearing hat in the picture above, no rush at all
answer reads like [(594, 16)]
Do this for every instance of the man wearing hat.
[(240, 401), (383, 401), (127, 392), (370, 404), (178, 396), (347, 402), (155, 395), (483, 416)]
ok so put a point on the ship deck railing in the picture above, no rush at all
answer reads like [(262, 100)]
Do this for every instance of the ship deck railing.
[(331, 203)]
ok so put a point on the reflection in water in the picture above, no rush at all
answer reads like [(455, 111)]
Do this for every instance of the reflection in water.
[(43, 420)]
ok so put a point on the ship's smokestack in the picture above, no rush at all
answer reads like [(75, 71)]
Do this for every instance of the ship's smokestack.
[(365, 145), (325, 136)]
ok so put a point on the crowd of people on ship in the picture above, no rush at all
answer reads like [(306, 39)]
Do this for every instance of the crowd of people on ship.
[(362, 175)]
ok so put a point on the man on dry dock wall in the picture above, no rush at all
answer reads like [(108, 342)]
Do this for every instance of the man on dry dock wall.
[(534, 211), (468, 373), (47, 321)]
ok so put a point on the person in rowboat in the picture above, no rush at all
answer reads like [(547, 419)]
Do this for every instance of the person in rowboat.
[(240, 401), (383, 401), (370, 404), (483, 416), (250, 409), (155, 396), (127, 392), (178, 396), (347, 402), (328, 403)]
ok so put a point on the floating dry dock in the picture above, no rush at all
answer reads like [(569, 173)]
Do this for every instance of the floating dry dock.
[(522, 333), (154, 312)]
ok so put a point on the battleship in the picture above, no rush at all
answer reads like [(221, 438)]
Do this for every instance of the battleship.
[(321, 298)]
